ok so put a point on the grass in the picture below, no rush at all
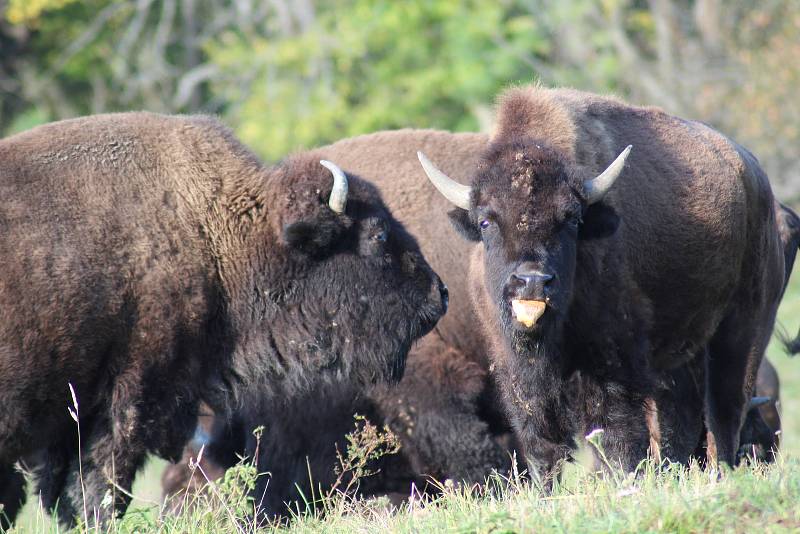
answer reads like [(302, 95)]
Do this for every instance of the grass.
[(670, 499)]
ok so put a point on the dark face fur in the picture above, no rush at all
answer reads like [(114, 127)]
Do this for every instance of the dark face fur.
[(363, 291), (528, 210)]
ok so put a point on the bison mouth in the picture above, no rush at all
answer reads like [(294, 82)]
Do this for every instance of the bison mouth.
[(527, 312)]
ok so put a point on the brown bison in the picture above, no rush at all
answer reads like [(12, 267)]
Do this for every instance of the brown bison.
[(150, 262), (601, 267)]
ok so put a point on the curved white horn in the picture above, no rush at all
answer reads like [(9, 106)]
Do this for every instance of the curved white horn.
[(453, 191), (338, 199), (596, 188)]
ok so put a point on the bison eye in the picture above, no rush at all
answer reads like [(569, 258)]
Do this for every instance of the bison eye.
[(484, 224), (381, 236)]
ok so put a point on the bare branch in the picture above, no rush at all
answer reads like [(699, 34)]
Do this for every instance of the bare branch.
[(189, 82), (637, 66), (665, 25)]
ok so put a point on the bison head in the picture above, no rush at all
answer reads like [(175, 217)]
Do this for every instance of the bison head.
[(529, 207), (355, 289)]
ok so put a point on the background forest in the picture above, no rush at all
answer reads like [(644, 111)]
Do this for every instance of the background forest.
[(289, 74)]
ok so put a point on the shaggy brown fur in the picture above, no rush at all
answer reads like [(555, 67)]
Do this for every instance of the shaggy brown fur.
[(150, 262)]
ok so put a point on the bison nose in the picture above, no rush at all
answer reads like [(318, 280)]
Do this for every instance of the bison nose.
[(533, 278), (445, 295), (531, 283)]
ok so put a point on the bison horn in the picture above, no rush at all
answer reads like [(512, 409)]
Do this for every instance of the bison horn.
[(338, 198), (755, 402), (453, 191), (596, 188)]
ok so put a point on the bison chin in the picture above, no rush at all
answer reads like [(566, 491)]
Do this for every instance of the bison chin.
[(535, 339), (389, 367), (393, 350)]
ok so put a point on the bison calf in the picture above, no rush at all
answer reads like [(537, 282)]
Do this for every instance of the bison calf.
[(433, 411), (148, 262)]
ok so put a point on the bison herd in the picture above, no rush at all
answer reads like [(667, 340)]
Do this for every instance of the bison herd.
[(607, 266)]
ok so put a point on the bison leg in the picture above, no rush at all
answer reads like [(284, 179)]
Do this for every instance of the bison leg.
[(623, 417), (99, 488), (113, 448), (735, 353), (12, 495), (51, 474)]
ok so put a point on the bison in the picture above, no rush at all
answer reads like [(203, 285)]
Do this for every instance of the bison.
[(149, 262), (601, 267)]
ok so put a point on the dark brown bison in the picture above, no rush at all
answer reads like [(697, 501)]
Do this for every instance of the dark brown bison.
[(149, 262), (601, 267), (445, 410)]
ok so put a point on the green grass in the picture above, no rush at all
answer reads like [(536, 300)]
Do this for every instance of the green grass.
[(677, 499)]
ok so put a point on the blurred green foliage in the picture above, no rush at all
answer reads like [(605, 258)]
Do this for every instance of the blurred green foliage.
[(29, 11), (374, 65)]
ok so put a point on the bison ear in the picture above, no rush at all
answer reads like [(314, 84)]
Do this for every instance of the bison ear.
[(459, 218), (599, 221), (312, 237)]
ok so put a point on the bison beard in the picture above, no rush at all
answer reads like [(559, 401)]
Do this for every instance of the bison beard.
[(150, 262), (680, 259)]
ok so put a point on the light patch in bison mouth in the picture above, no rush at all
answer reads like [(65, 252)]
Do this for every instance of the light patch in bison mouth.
[(527, 312)]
